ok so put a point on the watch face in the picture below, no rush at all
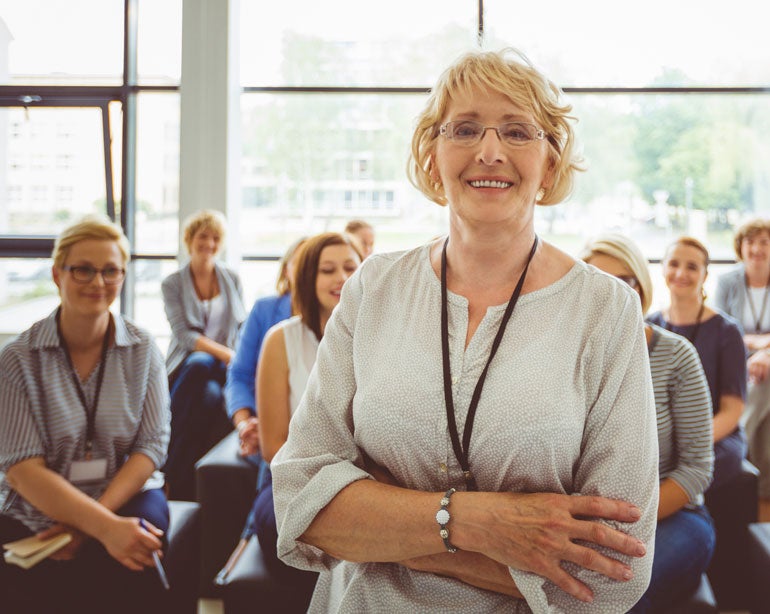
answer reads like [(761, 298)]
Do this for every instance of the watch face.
[(442, 516)]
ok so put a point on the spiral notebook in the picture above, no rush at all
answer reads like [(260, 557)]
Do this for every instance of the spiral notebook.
[(30, 551)]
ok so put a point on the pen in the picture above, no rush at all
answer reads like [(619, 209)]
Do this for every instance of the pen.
[(156, 560)]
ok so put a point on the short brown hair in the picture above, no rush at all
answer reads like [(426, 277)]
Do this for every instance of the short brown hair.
[(511, 74), (749, 230), (89, 227), (303, 294), (205, 218), (353, 226)]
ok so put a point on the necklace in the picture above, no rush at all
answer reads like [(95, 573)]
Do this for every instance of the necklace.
[(461, 449), (690, 338), (757, 319)]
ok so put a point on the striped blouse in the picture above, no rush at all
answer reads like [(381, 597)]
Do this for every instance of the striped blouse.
[(42, 416), (683, 405)]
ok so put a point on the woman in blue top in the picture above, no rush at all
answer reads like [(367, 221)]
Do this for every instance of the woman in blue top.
[(204, 306), (240, 389), (718, 339)]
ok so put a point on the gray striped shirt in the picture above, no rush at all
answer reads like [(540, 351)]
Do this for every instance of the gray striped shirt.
[(41, 414), (683, 404)]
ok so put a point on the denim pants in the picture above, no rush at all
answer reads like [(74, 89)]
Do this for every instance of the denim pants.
[(684, 543), (198, 419), (93, 582)]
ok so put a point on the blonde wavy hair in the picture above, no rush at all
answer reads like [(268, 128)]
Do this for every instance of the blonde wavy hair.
[(511, 74), (89, 227)]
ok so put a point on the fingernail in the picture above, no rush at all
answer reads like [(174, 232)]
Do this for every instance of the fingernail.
[(627, 574), (587, 597), (635, 513), (640, 549)]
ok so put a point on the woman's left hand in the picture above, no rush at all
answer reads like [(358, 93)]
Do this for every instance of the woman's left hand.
[(69, 551)]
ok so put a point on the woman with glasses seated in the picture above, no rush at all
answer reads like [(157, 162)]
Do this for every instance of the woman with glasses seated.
[(479, 421), (684, 540), (84, 426), (204, 306), (717, 337)]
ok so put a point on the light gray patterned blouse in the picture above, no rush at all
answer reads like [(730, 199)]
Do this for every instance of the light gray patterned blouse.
[(567, 407)]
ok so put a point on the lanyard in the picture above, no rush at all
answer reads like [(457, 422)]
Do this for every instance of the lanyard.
[(90, 411), (689, 338), (757, 320), (461, 450)]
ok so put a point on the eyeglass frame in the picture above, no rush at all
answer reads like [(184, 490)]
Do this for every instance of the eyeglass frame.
[(71, 268), (630, 280), (540, 134)]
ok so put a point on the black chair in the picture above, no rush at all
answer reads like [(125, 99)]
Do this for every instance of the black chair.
[(759, 557), (701, 602), (733, 507), (182, 559), (226, 486)]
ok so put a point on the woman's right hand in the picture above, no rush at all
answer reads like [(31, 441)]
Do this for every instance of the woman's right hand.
[(758, 366), (537, 532), (130, 544), (248, 434)]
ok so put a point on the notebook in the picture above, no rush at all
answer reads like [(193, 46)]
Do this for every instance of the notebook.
[(30, 551)]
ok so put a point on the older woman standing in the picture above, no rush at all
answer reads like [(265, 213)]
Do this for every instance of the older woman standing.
[(83, 430), (204, 306), (684, 540), (490, 378), (744, 293)]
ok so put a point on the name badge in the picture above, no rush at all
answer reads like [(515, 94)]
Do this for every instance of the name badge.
[(88, 470)]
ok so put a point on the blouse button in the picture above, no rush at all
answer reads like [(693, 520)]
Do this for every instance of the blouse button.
[(442, 467)]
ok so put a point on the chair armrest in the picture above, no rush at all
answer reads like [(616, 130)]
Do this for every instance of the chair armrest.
[(226, 486)]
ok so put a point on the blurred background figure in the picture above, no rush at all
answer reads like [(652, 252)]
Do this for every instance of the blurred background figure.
[(204, 306), (364, 234), (685, 538), (743, 293), (718, 339), (240, 388)]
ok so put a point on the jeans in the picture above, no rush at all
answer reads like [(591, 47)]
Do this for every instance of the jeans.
[(198, 419), (93, 582), (684, 543)]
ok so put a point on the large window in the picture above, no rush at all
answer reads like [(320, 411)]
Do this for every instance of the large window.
[(673, 102)]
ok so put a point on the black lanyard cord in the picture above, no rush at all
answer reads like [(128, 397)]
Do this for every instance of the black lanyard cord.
[(89, 411), (757, 320), (461, 450)]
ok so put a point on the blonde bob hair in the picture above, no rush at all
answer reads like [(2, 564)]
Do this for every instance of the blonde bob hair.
[(749, 230), (622, 248), (205, 218), (511, 74), (89, 227)]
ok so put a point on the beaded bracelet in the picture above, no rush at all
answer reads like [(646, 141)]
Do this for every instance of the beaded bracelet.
[(442, 517)]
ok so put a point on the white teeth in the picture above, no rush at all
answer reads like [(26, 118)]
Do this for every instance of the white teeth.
[(486, 183)]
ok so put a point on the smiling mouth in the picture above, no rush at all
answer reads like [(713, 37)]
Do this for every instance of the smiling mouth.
[(488, 183)]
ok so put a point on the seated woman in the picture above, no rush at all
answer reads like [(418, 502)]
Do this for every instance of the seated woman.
[(743, 294), (684, 540), (363, 232), (718, 339), (496, 387), (204, 306), (84, 426), (240, 388), (324, 263)]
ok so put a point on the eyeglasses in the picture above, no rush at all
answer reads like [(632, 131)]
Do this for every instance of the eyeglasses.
[(467, 132), (84, 274), (629, 280)]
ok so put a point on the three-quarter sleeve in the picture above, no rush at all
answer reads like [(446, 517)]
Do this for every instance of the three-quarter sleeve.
[(19, 435), (173, 303), (155, 425), (691, 415), (320, 454), (619, 460)]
